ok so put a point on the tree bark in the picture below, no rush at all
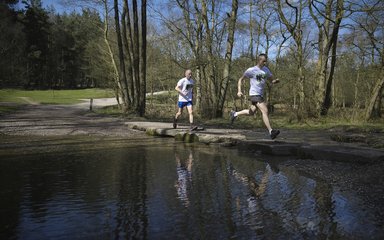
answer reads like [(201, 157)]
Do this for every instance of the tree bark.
[(296, 32), (122, 75), (376, 93), (114, 65), (135, 53), (127, 40), (209, 107), (327, 42), (143, 57)]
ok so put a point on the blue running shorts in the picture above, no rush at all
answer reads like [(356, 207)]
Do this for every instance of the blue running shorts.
[(184, 104)]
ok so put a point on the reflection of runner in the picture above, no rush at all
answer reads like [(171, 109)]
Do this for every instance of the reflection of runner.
[(256, 191), (257, 188), (184, 176)]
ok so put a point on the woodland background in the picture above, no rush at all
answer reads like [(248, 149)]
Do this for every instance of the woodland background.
[(329, 55)]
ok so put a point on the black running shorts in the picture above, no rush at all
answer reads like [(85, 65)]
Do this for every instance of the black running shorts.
[(256, 99)]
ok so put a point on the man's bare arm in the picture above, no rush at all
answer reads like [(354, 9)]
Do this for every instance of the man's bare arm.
[(239, 83), (274, 81)]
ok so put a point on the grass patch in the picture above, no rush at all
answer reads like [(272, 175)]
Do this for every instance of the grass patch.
[(52, 96)]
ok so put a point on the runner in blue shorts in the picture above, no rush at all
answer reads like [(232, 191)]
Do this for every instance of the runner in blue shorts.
[(185, 89)]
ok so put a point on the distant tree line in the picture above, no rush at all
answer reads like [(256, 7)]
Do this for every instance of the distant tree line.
[(41, 49)]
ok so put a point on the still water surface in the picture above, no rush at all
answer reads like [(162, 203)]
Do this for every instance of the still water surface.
[(159, 189)]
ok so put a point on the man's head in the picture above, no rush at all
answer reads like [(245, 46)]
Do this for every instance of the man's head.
[(262, 60), (188, 73)]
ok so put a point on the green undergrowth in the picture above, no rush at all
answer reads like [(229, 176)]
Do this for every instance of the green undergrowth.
[(165, 112)]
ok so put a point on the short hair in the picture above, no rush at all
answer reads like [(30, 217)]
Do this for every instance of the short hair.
[(262, 55)]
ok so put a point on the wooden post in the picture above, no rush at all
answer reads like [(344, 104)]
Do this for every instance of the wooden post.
[(90, 104)]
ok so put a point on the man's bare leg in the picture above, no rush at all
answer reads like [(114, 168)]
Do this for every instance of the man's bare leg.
[(264, 111), (179, 112), (233, 114), (190, 113)]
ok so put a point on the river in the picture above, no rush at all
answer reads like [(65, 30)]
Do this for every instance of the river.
[(151, 188)]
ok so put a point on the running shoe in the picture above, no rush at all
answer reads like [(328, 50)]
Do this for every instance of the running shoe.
[(274, 133), (174, 123), (193, 128)]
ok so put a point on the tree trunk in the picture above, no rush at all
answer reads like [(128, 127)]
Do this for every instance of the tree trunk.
[(143, 57), (136, 58), (327, 101), (296, 32), (375, 95), (327, 42), (228, 59), (251, 54), (127, 40), (114, 65), (122, 76), (209, 108)]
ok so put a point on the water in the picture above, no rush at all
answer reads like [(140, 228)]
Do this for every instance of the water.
[(159, 189)]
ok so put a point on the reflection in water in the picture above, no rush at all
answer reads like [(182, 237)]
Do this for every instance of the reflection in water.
[(131, 219), (184, 177), (171, 191)]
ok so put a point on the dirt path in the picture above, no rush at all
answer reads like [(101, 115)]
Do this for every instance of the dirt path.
[(55, 120)]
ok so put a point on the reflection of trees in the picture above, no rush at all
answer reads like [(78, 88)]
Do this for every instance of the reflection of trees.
[(131, 214), (11, 195), (325, 208)]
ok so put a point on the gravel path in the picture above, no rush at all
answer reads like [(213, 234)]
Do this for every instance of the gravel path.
[(56, 120)]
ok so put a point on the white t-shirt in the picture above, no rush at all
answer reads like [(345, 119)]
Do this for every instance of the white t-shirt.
[(257, 77), (186, 87)]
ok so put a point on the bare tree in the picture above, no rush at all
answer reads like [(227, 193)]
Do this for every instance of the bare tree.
[(370, 22), (296, 31), (143, 58), (110, 52), (133, 41), (227, 59), (328, 23), (122, 75)]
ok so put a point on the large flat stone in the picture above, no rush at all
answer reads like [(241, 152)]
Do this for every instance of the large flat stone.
[(271, 147)]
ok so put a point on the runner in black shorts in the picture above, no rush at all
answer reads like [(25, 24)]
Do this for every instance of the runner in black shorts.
[(258, 76)]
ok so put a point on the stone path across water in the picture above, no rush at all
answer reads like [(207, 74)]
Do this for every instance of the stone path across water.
[(303, 144)]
